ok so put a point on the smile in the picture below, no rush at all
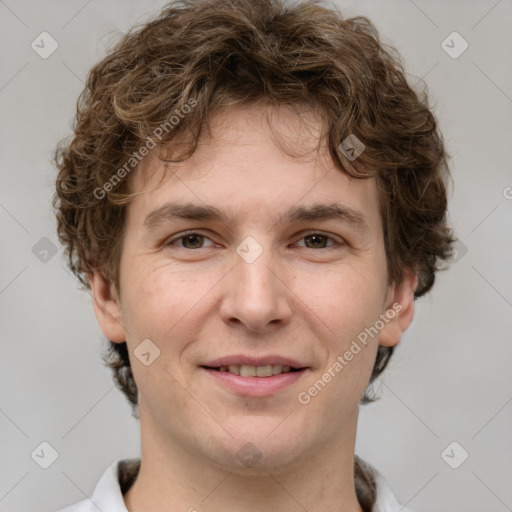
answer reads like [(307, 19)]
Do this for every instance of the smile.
[(245, 370), (254, 381)]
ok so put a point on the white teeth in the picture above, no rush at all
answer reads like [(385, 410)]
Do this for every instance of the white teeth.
[(246, 370), (277, 369), (264, 371), (234, 368)]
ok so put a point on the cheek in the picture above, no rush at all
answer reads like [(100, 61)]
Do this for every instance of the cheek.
[(157, 297), (167, 306), (347, 302), (347, 299), (156, 304)]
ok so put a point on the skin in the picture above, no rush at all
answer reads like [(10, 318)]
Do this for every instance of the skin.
[(297, 299)]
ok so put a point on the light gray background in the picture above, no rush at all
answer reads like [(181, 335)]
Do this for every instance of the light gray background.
[(450, 379)]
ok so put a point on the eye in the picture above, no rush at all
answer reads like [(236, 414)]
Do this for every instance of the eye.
[(319, 241), (191, 240)]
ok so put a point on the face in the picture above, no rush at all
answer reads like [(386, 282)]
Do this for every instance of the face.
[(244, 259)]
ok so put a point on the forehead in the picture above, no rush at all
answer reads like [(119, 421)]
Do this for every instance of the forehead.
[(251, 163)]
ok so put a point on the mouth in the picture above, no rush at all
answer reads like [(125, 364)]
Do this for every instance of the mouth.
[(245, 370), (255, 377)]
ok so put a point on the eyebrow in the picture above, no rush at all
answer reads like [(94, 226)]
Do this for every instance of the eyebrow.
[(188, 211)]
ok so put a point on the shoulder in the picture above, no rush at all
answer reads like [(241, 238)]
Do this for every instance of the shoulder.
[(384, 497), (108, 494), (82, 506)]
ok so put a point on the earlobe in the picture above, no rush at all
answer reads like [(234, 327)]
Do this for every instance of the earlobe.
[(106, 307), (399, 310)]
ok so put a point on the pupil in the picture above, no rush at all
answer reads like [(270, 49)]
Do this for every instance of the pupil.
[(193, 237), (316, 239)]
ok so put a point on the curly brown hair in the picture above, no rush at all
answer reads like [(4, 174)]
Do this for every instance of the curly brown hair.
[(216, 54)]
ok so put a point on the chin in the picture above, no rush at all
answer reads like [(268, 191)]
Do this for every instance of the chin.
[(258, 447)]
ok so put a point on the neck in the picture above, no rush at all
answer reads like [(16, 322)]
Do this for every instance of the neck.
[(173, 478)]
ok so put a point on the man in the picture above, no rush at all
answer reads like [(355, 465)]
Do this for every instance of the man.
[(255, 197)]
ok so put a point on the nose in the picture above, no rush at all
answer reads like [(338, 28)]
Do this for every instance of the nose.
[(256, 294)]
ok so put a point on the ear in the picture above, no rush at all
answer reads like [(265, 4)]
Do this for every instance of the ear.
[(399, 310), (106, 307)]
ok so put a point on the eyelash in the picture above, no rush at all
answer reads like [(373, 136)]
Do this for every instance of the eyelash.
[(188, 233)]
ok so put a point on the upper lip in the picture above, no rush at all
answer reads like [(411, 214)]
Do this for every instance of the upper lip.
[(255, 361)]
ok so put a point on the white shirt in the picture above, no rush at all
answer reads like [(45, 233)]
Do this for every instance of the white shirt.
[(107, 495)]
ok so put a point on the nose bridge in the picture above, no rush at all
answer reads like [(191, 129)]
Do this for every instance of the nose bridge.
[(256, 296), (253, 268), (253, 271)]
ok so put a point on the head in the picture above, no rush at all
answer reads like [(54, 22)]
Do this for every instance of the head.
[(249, 107)]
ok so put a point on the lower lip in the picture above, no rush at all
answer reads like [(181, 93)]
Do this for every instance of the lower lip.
[(256, 386)]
